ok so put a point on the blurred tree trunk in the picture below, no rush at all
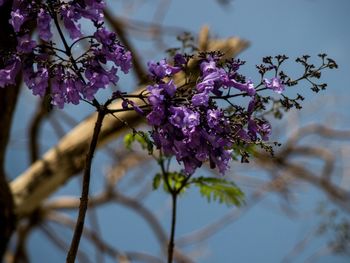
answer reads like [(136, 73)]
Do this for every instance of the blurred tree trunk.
[(8, 99)]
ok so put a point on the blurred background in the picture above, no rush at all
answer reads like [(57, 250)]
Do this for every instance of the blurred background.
[(295, 213)]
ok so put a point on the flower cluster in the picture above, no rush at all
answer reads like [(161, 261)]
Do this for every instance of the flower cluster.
[(48, 69), (187, 121)]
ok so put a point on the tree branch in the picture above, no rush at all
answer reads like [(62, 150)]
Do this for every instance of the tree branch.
[(8, 100), (66, 159)]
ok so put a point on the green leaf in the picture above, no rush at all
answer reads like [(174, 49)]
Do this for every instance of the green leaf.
[(218, 189), (128, 140), (176, 180), (142, 138), (157, 180)]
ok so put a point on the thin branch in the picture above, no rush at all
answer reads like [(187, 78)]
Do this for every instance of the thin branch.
[(20, 254), (319, 130), (103, 246), (34, 129), (172, 231), (60, 243), (334, 192), (212, 228), (85, 190), (299, 247), (326, 250)]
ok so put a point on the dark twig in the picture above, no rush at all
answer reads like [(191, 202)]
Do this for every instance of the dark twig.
[(173, 225), (34, 128), (85, 191)]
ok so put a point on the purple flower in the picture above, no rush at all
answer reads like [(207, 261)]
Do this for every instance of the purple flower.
[(25, 44), (182, 117), (156, 96), (208, 67), (70, 16), (247, 87), (170, 88), (177, 117), (105, 37), (251, 106), (179, 60), (43, 21), (200, 99), (191, 164), (126, 103), (93, 10), (72, 89), (37, 81), (275, 84), (221, 160), (156, 116), (98, 77), (17, 20), (263, 128), (122, 58), (191, 118), (113, 51), (9, 73), (202, 153), (57, 89), (161, 69), (214, 117), (209, 80), (66, 88)]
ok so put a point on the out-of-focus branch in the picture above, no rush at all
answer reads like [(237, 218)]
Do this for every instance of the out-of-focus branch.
[(289, 171), (150, 29), (103, 246), (214, 227), (34, 129), (323, 251), (61, 243), (118, 27), (334, 192), (320, 130), (283, 162), (299, 247)]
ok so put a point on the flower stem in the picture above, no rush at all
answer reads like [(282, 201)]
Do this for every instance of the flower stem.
[(85, 189), (171, 244)]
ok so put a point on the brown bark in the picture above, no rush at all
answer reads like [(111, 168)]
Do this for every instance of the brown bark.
[(8, 98)]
